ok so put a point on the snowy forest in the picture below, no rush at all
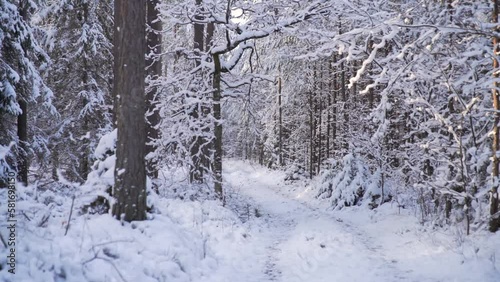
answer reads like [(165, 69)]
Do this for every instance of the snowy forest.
[(249, 140)]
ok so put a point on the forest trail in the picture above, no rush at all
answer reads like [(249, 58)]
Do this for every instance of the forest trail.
[(302, 243)]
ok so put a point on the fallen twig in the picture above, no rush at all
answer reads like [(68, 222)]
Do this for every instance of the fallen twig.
[(70, 214), (25, 215)]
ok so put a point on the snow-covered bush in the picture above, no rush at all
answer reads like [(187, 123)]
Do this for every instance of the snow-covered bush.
[(100, 180), (102, 170), (181, 189), (96, 192), (296, 172), (349, 183), (4, 166)]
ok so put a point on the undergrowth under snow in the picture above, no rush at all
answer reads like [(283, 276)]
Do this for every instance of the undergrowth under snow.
[(269, 231)]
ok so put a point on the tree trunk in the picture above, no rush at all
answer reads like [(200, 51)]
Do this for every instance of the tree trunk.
[(83, 168), (261, 154), (354, 85), (280, 117), (207, 149), (22, 119), (314, 121), (371, 93), (154, 71), (345, 108), (22, 134), (495, 218), (198, 30), (334, 103), (210, 36), (218, 127), (196, 173), (329, 111), (54, 156), (311, 136), (319, 100), (129, 88)]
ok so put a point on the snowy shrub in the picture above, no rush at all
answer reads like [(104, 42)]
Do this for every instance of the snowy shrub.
[(190, 191), (96, 191), (102, 170), (4, 166), (350, 182), (101, 178), (296, 172)]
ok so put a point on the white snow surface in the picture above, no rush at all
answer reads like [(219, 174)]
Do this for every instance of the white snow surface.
[(308, 242), (284, 235)]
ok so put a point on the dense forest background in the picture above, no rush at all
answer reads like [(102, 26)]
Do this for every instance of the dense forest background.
[(379, 101)]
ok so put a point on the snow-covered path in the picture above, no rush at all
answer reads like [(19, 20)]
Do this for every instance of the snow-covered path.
[(302, 243)]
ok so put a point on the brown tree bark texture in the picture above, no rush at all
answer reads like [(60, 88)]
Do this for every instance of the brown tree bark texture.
[(494, 201), (218, 127), (22, 134), (129, 90)]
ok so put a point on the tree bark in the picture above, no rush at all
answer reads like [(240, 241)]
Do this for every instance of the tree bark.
[(196, 173), (22, 119), (218, 127), (494, 201), (315, 107), (54, 156), (344, 108), (210, 36), (334, 103), (22, 134), (319, 102), (154, 65), (311, 136), (280, 117), (129, 89), (83, 168), (329, 111), (207, 149)]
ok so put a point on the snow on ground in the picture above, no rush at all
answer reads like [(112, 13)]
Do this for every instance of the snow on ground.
[(305, 242), (272, 232), (180, 242)]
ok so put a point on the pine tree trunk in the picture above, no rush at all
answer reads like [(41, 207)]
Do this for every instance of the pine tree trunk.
[(494, 201), (320, 119), (196, 173), (329, 111), (210, 36), (345, 108), (311, 136), (154, 66), (354, 85), (83, 168), (261, 154), (280, 113), (22, 119), (334, 107), (218, 127), (54, 156), (314, 107), (207, 149), (22, 134), (129, 88)]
